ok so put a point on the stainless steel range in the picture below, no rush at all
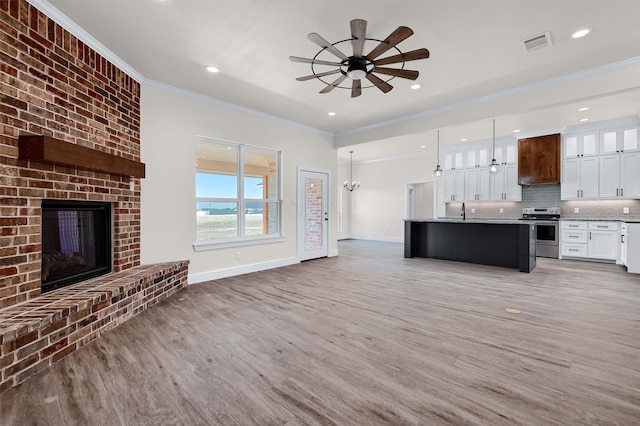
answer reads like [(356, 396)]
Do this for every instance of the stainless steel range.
[(548, 237)]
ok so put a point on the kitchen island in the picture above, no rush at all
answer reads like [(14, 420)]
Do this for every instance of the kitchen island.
[(506, 243)]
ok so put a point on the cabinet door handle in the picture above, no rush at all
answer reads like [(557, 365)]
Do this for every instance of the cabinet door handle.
[(573, 236), (622, 239), (577, 193), (573, 249), (621, 191), (582, 193), (589, 235), (617, 192)]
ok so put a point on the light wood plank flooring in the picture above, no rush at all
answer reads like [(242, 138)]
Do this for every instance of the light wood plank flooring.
[(366, 338)]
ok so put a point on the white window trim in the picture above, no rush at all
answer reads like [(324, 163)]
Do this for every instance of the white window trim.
[(241, 240)]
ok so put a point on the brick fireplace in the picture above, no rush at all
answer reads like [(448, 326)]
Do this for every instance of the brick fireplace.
[(54, 86)]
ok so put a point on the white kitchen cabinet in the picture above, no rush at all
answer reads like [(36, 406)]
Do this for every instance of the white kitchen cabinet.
[(579, 178), (454, 160), (454, 186), (633, 248), (506, 153), (590, 240), (603, 241), (624, 231), (578, 145), (478, 157), (504, 185), (478, 184), (619, 140), (620, 175)]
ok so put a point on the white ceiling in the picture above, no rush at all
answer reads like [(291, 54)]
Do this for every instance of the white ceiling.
[(477, 71)]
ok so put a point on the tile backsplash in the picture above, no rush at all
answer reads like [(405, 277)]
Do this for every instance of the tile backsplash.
[(548, 196)]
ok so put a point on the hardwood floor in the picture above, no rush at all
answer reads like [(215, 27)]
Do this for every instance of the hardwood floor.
[(365, 338)]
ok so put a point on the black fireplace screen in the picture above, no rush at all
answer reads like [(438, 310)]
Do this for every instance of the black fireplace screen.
[(76, 241)]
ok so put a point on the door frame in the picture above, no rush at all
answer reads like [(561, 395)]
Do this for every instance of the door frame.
[(409, 189), (300, 211)]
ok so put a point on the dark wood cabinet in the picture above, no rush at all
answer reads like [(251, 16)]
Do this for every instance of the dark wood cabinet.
[(539, 160)]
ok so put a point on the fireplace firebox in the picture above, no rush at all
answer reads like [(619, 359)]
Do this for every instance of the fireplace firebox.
[(76, 242)]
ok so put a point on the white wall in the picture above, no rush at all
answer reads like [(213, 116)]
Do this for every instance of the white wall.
[(378, 207), (169, 123)]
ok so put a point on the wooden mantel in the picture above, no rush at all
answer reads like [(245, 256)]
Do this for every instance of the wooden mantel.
[(49, 150)]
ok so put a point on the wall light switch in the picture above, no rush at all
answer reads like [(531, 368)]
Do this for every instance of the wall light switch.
[(576, 210), (501, 210), (474, 210), (625, 210)]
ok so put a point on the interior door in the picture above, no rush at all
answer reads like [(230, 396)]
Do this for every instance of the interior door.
[(313, 214)]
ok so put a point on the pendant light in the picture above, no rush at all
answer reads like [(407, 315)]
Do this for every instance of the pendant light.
[(438, 171), (494, 167), (351, 185)]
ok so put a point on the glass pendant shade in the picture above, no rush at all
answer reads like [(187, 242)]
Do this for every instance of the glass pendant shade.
[(494, 168)]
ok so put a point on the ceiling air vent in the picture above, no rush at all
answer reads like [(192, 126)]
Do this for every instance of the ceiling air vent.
[(536, 42)]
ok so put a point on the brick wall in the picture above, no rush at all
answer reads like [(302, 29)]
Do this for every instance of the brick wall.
[(51, 83)]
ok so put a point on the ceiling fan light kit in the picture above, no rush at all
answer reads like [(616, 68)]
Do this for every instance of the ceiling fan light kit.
[(360, 66)]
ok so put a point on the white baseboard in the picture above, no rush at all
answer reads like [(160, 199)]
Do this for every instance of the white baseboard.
[(377, 238), (245, 269)]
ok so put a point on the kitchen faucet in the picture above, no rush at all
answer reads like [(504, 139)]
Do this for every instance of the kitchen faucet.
[(463, 214)]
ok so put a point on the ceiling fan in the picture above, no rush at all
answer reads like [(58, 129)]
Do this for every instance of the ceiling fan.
[(359, 66)]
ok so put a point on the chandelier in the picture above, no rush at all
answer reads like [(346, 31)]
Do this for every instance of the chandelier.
[(351, 185)]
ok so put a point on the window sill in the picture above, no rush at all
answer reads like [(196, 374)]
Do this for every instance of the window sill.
[(210, 245)]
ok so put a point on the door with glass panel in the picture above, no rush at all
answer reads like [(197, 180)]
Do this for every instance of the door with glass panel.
[(313, 214)]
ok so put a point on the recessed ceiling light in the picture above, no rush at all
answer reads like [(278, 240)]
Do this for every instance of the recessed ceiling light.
[(584, 119), (423, 146), (211, 69), (583, 109), (516, 131), (331, 113), (416, 86), (464, 139), (581, 32)]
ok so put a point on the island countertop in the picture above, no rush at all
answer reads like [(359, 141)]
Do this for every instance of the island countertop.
[(470, 220)]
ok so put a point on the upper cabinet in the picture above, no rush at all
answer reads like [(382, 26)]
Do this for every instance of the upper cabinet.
[(602, 164), (454, 160), (620, 140), (539, 160), (478, 157), (507, 153), (580, 145)]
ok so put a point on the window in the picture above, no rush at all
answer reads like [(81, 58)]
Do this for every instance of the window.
[(237, 194)]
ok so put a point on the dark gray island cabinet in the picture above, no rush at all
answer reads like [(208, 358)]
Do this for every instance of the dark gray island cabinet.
[(507, 243)]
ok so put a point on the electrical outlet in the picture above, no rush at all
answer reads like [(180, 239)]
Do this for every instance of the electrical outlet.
[(576, 210), (501, 210), (237, 255), (473, 210), (625, 210)]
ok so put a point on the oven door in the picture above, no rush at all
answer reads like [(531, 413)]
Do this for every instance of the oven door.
[(547, 239)]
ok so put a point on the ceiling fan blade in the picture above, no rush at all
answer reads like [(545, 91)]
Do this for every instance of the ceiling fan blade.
[(331, 86), (358, 33), (401, 33), (408, 74), (321, 74), (313, 61), (413, 55), (380, 84), (356, 89), (317, 39)]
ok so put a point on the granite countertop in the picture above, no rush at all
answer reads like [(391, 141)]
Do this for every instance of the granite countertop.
[(505, 221), (600, 219)]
